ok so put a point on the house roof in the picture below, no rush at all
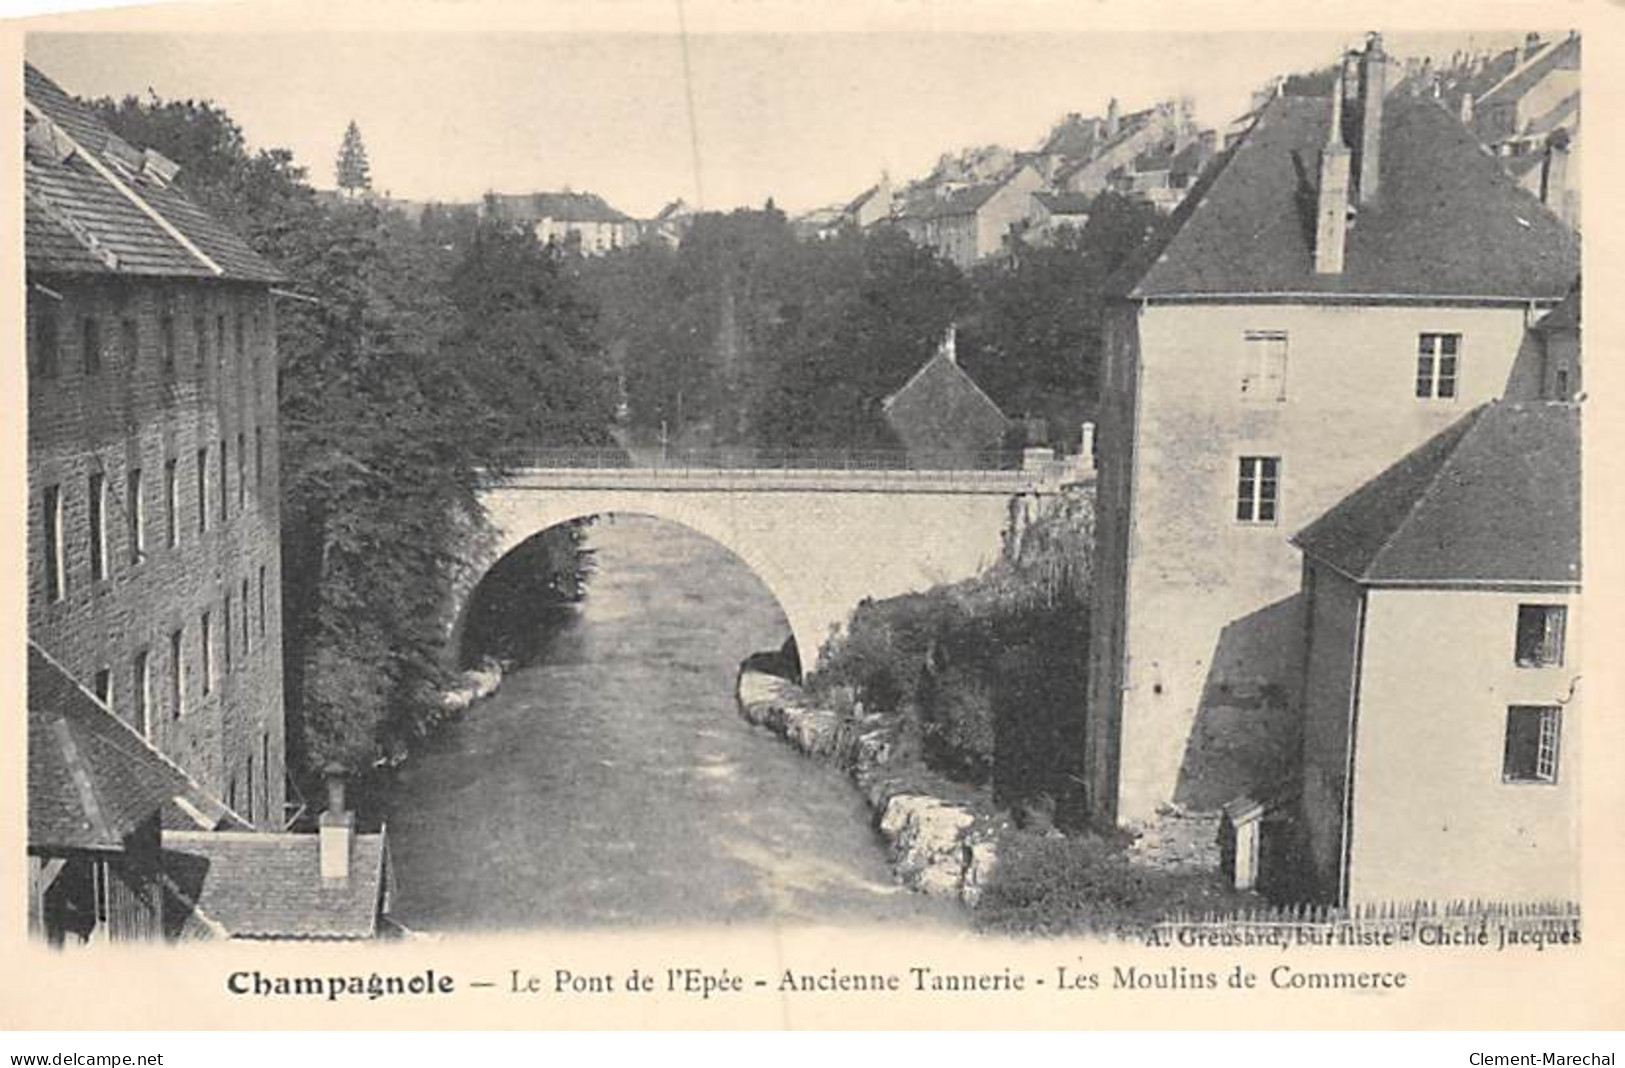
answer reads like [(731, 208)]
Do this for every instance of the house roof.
[(1565, 318), (937, 379), (1066, 203), (860, 200), (98, 205), (560, 207), (92, 779), (1074, 137), (1449, 222), (1557, 55), (1492, 499), (270, 886)]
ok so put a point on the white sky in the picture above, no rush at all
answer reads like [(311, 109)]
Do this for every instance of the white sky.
[(808, 119)]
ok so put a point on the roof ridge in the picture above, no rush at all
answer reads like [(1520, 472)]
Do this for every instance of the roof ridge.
[(1477, 416)]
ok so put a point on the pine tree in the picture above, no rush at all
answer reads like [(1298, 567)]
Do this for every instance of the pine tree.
[(354, 177)]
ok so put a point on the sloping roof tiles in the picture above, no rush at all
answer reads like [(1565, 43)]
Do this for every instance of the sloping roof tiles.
[(1493, 498), (91, 211), (271, 886), (92, 780), (1448, 222)]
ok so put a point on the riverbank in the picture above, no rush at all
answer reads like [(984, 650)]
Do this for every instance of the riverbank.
[(941, 837)]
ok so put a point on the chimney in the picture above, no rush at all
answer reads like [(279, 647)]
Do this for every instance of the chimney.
[(1531, 45), (335, 830), (1554, 172), (1466, 109), (947, 349), (1332, 196), (1373, 84), (1112, 118)]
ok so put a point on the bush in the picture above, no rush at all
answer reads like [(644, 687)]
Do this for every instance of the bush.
[(1053, 884)]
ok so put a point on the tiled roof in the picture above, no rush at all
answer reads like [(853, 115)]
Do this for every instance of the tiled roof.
[(1066, 203), (1560, 55), (1493, 498), (860, 200), (91, 195), (560, 207), (271, 886), (1448, 223), (1563, 318), (1073, 138), (91, 778)]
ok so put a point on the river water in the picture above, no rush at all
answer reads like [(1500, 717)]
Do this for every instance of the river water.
[(613, 783)]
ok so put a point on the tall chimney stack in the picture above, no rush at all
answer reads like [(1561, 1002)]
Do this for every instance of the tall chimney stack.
[(1332, 196), (335, 829), (1373, 84)]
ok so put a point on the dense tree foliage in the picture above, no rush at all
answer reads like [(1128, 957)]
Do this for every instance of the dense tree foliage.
[(405, 371), (352, 172)]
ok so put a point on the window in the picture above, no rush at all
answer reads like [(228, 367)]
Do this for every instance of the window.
[(1258, 488), (1438, 359), (166, 340), (225, 484), (141, 687), (259, 458), (247, 641), (98, 525), (242, 471), (172, 504), (1532, 743), (1263, 373), (265, 771), (220, 340), (207, 653), (237, 337), (56, 583), (202, 489), (92, 346), (262, 602), (46, 361), (1562, 390), (225, 632), (129, 343), (104, 688), (135, 512), (231, 794), (177, 674), (200, 343), (248, 784), (1540, 634)]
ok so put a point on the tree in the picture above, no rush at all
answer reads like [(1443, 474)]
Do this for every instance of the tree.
[(352, 172)]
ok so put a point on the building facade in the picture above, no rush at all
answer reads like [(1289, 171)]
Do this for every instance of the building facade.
[(1298, 328), (154, 567), (582, 220), (965, 224), (1441, 715)]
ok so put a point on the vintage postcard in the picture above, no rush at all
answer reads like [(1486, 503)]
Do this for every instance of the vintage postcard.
[(717, 515)]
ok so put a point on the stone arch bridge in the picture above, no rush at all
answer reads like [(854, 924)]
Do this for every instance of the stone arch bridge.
[(820, 538)]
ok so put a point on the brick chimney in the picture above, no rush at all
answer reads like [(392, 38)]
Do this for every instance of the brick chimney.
[(1373, 84), (1113, 122), (1332, 195), (1554, 171), (336, 828)]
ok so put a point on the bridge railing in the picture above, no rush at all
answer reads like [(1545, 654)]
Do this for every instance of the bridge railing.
[(916, 463)]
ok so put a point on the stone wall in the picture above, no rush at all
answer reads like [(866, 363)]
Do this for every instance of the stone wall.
[(936, 846)]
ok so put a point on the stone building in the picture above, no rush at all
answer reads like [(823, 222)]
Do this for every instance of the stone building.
[(1441, 714), (1341, 286), (965, 223), (154, 570)]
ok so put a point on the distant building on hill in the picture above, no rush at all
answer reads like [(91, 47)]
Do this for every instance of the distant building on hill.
[(565, 218), (965, 223)]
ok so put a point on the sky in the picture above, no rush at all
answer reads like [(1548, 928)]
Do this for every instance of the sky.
[(808, 119)]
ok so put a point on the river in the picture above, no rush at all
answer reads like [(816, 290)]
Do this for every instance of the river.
[(611, 783)]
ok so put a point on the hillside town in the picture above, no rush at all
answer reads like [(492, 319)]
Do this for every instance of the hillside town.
[(1325, 451)]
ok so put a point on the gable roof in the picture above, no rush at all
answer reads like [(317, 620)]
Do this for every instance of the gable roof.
[(939, 379), (1449, 222), (1492, 499), (1563, 318), (1065, 203), (92, 780), (264, 886), (98, 205)]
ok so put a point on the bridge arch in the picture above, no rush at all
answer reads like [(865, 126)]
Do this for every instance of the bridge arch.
[(820, 540), (510, 538)]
